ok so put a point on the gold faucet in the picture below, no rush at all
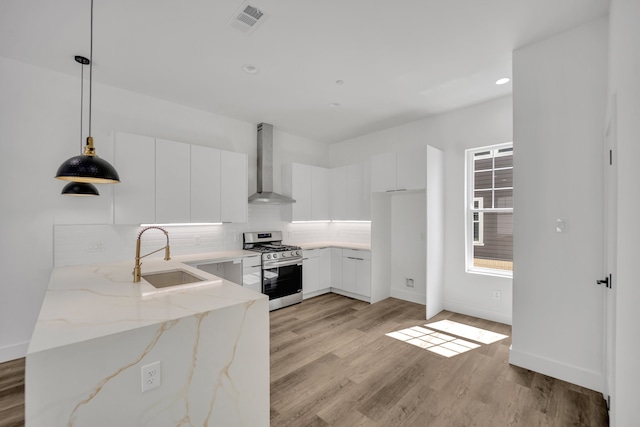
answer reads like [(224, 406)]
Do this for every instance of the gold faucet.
[(136, 269)]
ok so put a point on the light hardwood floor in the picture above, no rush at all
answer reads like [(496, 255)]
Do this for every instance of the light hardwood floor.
[(332, 365), (12, 393)]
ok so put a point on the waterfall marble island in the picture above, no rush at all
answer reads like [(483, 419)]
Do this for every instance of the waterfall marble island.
[(97, 329)]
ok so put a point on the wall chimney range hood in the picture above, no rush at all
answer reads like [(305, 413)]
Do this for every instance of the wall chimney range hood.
[(265, 194)]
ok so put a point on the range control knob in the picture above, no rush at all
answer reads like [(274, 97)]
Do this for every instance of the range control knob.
[(293, 253), (298, 253), (284, 254), (268, 256), (275, 256)]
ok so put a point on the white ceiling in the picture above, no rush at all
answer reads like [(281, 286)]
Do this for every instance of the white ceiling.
[(399, 60)]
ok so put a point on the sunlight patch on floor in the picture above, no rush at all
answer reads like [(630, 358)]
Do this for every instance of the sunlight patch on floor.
[(443, 344), (466, 331)]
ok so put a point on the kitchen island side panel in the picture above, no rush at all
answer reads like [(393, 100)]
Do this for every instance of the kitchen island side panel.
[(214, 371)]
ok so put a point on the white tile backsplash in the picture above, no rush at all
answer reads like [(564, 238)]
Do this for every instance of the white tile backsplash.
[(94, 244)]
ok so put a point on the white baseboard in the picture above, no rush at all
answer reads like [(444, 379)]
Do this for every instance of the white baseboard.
[(312, 294), (482, 313), (350, 295), (408, 296), (14, 351), (572, 374)]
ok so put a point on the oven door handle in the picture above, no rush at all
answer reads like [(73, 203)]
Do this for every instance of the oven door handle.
[(275, 264)]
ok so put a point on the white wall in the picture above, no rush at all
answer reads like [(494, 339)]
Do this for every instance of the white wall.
[(476, 126), (559, 111), (39, 129), (624, 83)]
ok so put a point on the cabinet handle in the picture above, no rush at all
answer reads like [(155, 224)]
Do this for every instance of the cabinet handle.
[(359, 259)]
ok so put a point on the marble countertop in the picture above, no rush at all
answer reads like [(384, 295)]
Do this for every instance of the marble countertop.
[(343, 245), (92, 301)]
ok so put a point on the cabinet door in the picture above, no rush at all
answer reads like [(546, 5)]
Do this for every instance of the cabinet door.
[(383, 172), (363, 277), (134, 198), (336, 268), (173, 182), (339, 193), (320, 195), (301, 191), (358, 199), (325, 268), (349, 274), (233, 192), (411, 168), (205, 184), (310, 275), (252, 273)]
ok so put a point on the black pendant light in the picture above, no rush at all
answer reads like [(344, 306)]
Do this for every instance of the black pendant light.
[(80, 188), (87, 167)]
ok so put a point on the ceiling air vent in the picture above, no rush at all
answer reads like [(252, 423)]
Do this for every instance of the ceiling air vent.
[(247, 18)]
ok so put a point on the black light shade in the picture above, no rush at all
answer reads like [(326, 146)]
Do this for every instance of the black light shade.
[(80, 189), (85, 168)]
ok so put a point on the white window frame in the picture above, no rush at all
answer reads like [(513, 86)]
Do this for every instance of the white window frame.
[(469, 199), (480, 241)]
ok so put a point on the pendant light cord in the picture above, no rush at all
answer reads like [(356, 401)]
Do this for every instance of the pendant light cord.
[(81, 101), (91, 68)]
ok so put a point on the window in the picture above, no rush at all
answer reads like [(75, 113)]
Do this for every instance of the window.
[(489, 210)]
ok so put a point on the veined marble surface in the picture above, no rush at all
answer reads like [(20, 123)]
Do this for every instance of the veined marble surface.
[(96, 331), (341, 245), (86, 302)]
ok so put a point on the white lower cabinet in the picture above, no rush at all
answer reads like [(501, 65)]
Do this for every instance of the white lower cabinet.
[(356, 272), (252, 273), (336, 268), (316, 267)]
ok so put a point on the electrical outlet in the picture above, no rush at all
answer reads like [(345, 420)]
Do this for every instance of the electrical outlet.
[(96, 247), (151, 376), (409, 283), (496, 294)]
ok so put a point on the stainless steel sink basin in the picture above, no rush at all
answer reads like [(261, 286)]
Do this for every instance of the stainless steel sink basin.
[(171, 278)]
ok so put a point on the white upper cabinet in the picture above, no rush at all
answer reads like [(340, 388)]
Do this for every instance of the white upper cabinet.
[(350, 193), (399, 170), (320, 196), (309, 186), (135, 197), (205, 184), (411, 168), (234, 189), (339, 193), (383, 172), (173, 182)]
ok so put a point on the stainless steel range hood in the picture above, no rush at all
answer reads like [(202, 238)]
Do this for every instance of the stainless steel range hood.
[(265, 194)]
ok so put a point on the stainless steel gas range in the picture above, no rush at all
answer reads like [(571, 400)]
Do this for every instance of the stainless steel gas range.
[(281, 267)]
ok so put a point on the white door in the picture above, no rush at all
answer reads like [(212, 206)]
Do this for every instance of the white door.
[(610, 232)]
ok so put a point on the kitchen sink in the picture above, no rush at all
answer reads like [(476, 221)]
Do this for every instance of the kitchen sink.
[(171, 278)]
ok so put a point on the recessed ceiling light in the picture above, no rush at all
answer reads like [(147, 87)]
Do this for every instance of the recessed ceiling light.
[(503, 80), (251, 69), (334, 105)]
